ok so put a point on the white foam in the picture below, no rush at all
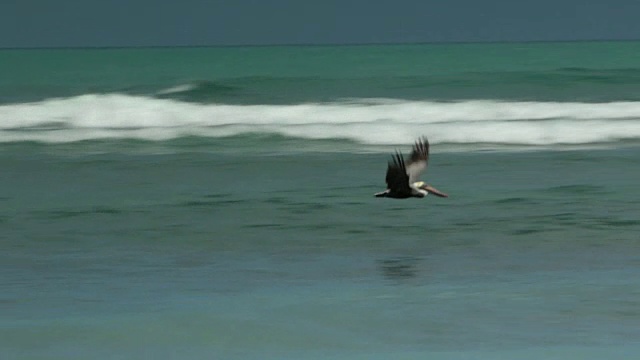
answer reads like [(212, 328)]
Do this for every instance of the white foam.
[(370, 121), (178, 89)]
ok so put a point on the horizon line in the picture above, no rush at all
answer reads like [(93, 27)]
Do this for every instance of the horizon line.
[(355, 44)]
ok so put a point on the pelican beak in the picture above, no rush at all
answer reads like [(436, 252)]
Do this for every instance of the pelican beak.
[(433, 191)]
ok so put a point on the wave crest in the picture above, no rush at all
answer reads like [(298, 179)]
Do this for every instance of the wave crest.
[(367, 121)]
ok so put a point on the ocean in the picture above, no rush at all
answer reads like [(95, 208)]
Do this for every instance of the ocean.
[(217, 203)]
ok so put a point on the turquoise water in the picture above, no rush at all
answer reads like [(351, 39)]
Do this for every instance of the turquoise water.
[(585, 71), (218, 203)]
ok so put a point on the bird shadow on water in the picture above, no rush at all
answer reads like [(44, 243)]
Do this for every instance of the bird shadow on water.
[(208, 201), (399, 269)]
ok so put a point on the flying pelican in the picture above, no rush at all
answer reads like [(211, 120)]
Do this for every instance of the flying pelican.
[(402, 180)]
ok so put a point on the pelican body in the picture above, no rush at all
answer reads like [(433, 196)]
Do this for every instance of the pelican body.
[(402, 179)]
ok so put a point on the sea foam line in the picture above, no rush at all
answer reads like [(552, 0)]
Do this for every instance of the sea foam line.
[(369, 121)]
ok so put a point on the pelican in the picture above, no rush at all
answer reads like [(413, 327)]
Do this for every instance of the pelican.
[(402, 180)]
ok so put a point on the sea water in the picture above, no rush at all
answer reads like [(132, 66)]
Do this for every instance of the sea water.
[(217, 203)]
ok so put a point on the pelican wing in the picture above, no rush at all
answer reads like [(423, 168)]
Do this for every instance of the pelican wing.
[(397, 177), (419, 158)]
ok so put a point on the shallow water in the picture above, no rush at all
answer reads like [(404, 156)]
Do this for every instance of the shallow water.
[(193, 255)]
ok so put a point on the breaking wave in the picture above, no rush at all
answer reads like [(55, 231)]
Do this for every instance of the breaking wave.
[(365, 121)]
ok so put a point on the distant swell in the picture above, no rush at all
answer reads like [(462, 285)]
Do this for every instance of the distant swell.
[(365, 121)]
